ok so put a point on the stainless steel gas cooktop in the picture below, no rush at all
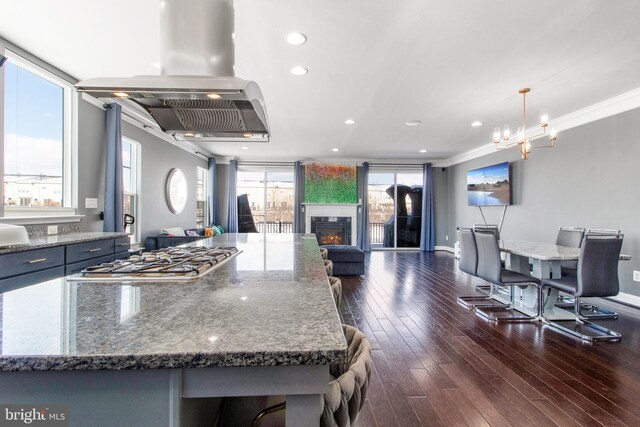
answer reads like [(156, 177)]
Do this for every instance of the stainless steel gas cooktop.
[(186, 263)]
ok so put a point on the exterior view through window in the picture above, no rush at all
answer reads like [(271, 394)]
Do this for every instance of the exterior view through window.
[(130, 184), (265, 201), (202, 210), (33, 139), (395, 209)]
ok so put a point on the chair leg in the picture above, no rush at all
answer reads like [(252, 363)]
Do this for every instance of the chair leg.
[(605, 334), (270, 410), (483, 289), (487, 300), (594, 312), (487, 312)]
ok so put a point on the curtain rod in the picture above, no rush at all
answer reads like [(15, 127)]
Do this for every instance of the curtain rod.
[(396, 164), (255, 163)]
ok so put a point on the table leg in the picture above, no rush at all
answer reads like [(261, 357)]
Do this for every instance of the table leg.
[(546, 269), (518, 263), (304, 410)]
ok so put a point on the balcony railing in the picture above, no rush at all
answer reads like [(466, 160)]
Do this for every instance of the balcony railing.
[(274, 227), (376, 232)]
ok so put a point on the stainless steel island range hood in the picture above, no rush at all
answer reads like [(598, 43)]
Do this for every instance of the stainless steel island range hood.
[(196, 97)]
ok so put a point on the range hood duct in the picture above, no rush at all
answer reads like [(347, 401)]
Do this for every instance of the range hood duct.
[(197, 96)]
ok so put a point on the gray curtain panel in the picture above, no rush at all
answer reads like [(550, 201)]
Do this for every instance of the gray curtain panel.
[(114, 192), (213, 199), (232, 206), (428, 235), (298, 198), (363, 219)]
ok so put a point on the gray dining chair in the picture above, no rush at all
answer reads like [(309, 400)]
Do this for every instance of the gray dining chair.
[(597, 277), (468, 263), (488, 227), (490, 269), (572, 237)]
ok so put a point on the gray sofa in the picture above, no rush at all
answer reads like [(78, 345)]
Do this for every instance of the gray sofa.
[(165, 240), (347, 260)]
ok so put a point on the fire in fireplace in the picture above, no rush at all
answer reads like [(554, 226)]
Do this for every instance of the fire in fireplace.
[(332, 230)]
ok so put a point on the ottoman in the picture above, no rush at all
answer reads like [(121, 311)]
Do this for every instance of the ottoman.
[(347, 260)]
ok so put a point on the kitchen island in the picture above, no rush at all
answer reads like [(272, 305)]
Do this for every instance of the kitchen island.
[(141, 353)]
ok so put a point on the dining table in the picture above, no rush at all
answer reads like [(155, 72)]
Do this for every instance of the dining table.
[(542, 261)]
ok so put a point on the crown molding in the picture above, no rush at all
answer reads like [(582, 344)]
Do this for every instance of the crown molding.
[(607, 108)]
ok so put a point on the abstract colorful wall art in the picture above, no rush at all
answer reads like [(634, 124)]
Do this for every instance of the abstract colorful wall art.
[(330, 183)]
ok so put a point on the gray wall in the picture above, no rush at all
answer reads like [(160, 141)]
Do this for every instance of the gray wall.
[(91, 163), (158, 158), (589, 180)]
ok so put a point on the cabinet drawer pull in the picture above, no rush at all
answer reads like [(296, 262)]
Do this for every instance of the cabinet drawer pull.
[(94, 250), (123, 244), (35, 261)]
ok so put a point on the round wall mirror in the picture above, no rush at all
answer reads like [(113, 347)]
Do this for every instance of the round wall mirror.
[(177, 191)]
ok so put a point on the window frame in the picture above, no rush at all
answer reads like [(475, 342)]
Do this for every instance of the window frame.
[(38, 214), (136, 177), (205, 192)]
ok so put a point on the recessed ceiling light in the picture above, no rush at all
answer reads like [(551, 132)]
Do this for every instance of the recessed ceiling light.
[(423, 151), (189, 134), (244, 298), (299, 71), (335, 149), (121, 94), (213, 338), (349, 122), (245, 148), (296, 39), (247, 134), (414, 123), (477, 123), (214, 95)]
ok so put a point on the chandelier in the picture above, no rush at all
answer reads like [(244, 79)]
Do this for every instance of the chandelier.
[(503, 136)]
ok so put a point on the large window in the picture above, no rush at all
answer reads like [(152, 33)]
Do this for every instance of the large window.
[(130, 156), (395, 208), (202, 189), (265, 200), (37, 151)]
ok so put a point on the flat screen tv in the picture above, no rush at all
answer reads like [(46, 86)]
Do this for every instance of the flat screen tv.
[(489, 186)]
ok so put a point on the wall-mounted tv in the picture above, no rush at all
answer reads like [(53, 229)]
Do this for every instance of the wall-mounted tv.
[(489, 186)]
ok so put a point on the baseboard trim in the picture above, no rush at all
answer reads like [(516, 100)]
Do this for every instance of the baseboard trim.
[(443, 248), (628, 299)]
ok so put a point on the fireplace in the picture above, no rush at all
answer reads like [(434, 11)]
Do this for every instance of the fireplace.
[(332, 230)]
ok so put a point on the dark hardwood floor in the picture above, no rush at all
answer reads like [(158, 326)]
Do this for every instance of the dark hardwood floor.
[(438, 364)]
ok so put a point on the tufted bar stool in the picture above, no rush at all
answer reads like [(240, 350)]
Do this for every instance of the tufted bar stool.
[(328, 267), (325, 253), (336, 290), (348, 386)]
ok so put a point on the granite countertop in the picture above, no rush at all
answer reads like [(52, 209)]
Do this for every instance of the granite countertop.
[(270, 305), (59, 240)]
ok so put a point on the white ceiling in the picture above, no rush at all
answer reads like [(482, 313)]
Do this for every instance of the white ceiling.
[(382, 63)]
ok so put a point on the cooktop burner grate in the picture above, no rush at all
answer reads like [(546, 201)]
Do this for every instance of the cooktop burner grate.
[(164, 264)]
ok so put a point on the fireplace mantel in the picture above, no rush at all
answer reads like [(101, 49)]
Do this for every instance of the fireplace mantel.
[(333, 210)]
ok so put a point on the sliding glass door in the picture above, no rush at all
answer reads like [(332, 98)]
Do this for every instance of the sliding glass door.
[(265, 200), (395, 208)]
